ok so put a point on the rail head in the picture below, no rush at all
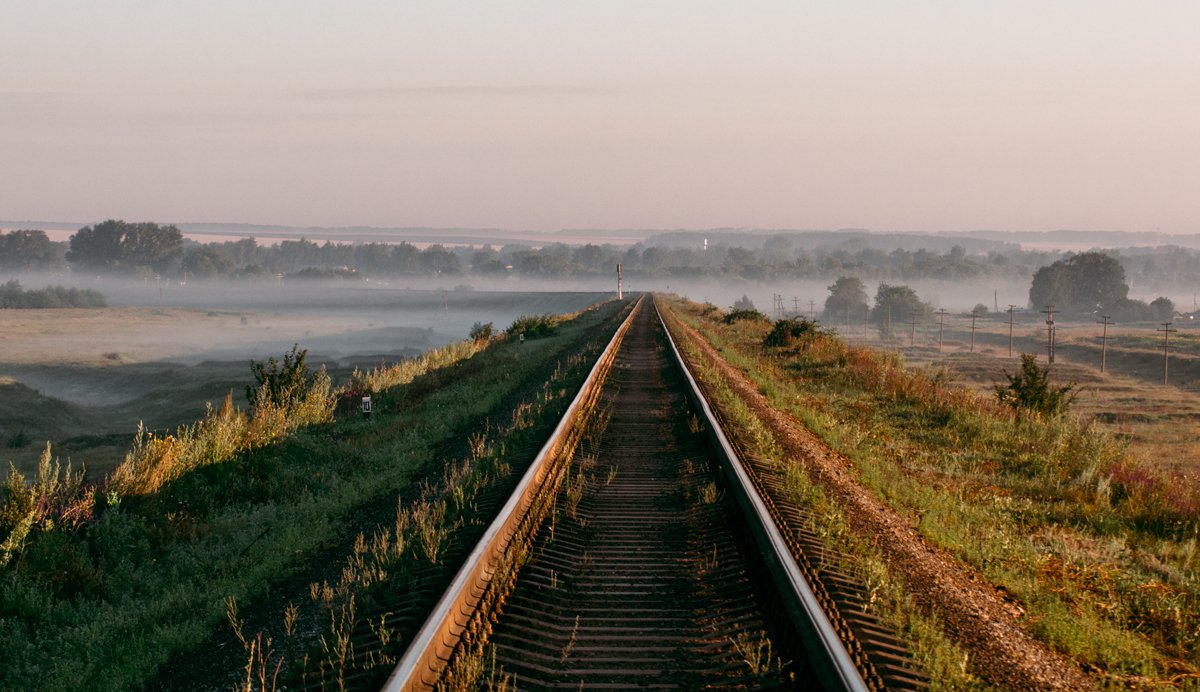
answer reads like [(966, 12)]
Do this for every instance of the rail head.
[(430, 643), (834, 665)]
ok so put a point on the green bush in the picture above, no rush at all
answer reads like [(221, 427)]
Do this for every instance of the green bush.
[(789, 331), (750, 315), (481, 331), (13, 296), (534, 326), (1030, 389), (282, 383)]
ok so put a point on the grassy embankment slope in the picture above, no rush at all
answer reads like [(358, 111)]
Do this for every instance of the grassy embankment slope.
[(1098, 548), (108, 586)]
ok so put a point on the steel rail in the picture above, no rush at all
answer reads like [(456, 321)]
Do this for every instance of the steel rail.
[(430, 649), (831, 661)]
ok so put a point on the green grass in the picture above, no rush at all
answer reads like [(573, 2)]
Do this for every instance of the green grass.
[(109, 602), (1099, 549), (933, 653)]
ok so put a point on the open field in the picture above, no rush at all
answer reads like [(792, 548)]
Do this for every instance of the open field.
[(1160, 423), (83, 379)]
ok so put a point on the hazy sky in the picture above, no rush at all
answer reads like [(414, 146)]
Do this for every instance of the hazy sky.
[(935, 115)]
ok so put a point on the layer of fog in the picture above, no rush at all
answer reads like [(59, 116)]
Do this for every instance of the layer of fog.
[(195, 340)]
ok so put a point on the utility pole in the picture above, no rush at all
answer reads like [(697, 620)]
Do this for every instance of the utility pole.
[(1104, 342), (912, 336), (1049, 313), (941, 327), (796, 305), (973, 316), (1011, 307), (1166, 332), (812, 310)]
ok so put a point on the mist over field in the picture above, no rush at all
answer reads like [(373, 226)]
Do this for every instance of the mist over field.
[(84, 378)]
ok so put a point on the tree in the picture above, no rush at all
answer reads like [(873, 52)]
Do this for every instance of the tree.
[(592, 259), (115, 245), (148, 245), (847, 296), (97, 247), (436, 259), (26, 250), (1163, 307), (743, 303), (1030, 389), (205, 261), (1086, 282), (897, 305)]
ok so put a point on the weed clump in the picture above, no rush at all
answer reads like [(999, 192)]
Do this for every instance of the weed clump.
[(789, 332), (534, 326), (1030, 389), (56, 497), (482, 331), (281, 383), (745, 314)]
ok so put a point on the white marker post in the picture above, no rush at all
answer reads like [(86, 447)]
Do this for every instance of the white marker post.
[(366, 407), (620, 293)]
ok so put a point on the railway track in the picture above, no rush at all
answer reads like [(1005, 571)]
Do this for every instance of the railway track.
[(638, 552)]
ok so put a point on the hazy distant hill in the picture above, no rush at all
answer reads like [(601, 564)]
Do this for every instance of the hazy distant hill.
[(847, 238)]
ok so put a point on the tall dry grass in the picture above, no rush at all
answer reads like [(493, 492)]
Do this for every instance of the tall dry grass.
[(223, 432)]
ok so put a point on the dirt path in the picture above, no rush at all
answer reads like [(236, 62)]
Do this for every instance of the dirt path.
[(976, 614)]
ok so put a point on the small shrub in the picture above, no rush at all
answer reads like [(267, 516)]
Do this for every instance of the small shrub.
[(534, 326), (18, 503), (742, 314), (281, 383), (787, 332), (1030, 389), (482, 331)]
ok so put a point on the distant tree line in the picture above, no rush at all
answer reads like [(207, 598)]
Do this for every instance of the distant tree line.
[(895, 306), (13, 296), (148, 249)]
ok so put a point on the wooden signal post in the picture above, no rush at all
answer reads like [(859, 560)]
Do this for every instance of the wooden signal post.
[(1049, 313), (1166, 332), (1104, 342), (1011, 307)]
